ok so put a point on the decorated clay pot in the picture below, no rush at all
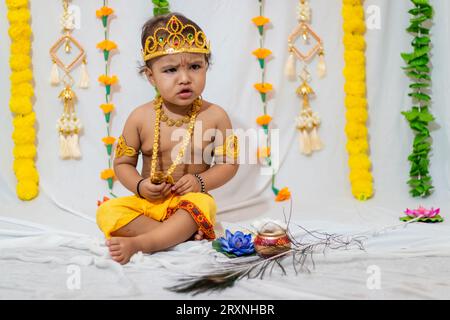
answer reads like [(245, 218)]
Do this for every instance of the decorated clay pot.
[(271, 244)]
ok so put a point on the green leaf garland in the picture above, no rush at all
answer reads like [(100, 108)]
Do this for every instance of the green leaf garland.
[(419, 117)]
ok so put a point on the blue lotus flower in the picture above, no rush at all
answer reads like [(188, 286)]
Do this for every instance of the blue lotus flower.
[(238, 244)]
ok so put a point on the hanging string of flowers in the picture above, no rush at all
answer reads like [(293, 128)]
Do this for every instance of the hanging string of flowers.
[(419, 116), (355, 100), (263, 87), (107, 46), (160, 7), (20, 104)]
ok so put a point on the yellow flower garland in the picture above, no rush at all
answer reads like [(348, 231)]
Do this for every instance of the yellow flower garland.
[(355, 101), (20, 103)]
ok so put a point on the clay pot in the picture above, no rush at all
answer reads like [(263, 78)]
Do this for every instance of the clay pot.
[(271, 244)]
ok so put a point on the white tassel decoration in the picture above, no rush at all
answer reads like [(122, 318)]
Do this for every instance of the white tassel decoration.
[(321, 67), (290, 68), (54, 75), (63, 150), (75, 147), (306, 142), (316, 143), (84, 81)]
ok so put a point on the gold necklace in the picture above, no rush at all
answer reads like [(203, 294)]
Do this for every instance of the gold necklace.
[(158, 177), (172, 122)]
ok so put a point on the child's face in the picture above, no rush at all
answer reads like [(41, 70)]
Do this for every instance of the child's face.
[(180, 78)]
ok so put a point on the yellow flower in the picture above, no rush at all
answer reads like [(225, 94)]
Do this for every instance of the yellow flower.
[(263, 120), (108, 140), (357, 146), (27, 189), (362, 190), (15, 4), (352, 2), (355, 26), (24, 135), (354, 57), (17, 77), (28, 174), (26, 151), (104, 11), (20, 105), (24, 121), (108, 80), (19, 62), (260, 21), (355, 88), (356, 115), (354, 73), (355, 130), (107, 45), (22, 47), (351, 12), (107, 107), (354, 42), (107, 174), (355, 102), (19, 30), (263, 152), (360, 161), (360, 175), (262, 53), (263, 87), (20, 15), (22, 164), (283, 195)]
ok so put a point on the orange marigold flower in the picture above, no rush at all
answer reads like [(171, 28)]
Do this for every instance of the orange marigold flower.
[(263, 152), (263, 87), (108, 80), (100, 202), (107, 107), (262, 53), (283, 194), (260, 20), (104, 11), (106, 174), (107, 45), (263, 120), (109, 140)]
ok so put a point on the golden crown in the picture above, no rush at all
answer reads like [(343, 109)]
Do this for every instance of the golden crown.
[(175, 37)]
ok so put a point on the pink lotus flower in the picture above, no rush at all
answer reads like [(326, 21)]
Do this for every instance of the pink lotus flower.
[(422, 212)]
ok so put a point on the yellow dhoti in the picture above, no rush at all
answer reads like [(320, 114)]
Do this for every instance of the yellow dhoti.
[(116, 213)]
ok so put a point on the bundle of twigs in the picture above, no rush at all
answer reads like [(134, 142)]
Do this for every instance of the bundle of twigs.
[(302, 250)]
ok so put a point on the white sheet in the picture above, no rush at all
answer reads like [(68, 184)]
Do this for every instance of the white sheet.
[(319, 184)]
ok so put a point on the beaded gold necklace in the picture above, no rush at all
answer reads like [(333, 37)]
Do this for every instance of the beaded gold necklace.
[(158, 177)]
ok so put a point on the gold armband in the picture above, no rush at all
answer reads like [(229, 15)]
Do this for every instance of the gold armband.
[(123, 150), (230, 148)]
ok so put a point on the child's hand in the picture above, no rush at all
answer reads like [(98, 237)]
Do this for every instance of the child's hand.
[(152, 191), (187, 183)]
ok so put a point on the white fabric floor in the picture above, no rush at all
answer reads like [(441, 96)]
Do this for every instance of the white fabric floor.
[(411, 262)]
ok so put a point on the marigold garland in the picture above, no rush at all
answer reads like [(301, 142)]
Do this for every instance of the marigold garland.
[(20, 103), (419, 116), (263, 87), (107, 46), (355, 100)]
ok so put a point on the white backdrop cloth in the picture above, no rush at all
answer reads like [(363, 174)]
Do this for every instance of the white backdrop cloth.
[(40, 238)]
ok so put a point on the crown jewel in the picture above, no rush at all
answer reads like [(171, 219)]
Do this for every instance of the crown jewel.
[(175, 37)]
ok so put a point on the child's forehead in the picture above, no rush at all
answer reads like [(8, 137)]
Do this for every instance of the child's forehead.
[(180, 58)]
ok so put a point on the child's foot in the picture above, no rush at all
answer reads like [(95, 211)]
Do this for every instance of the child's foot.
[(122, 249)]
